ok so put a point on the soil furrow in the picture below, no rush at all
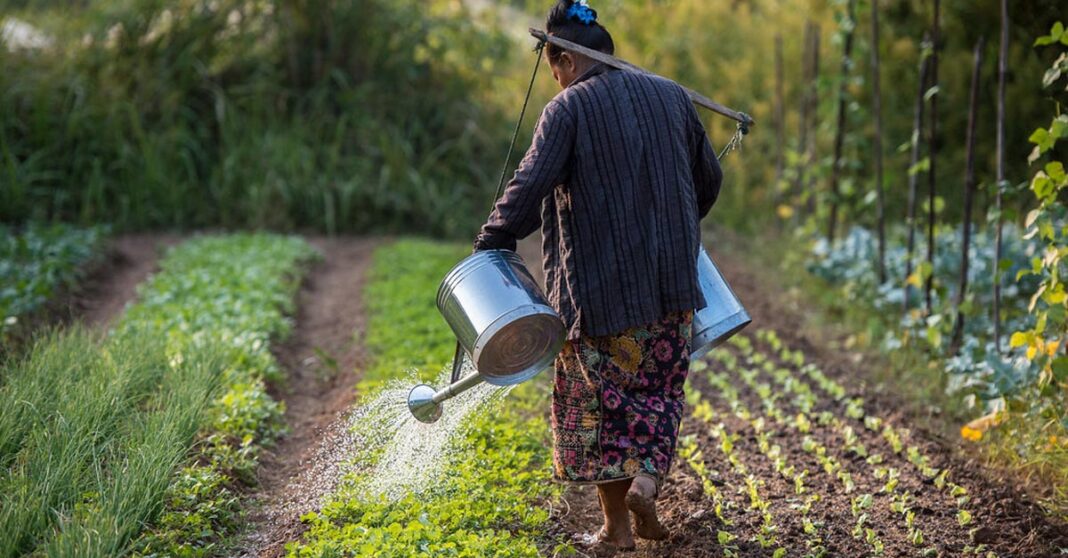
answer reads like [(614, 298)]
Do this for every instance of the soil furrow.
[(322, 358), (1023, 531), (129, 261), (831, 512)]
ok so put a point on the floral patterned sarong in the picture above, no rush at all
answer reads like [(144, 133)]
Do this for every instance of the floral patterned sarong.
[(618, 401)]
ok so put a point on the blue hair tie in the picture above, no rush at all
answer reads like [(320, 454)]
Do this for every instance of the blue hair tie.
[(580, 11)]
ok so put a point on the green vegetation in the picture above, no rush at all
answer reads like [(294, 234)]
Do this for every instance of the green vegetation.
[(36, 262), (235, 291), (92, 432), (354, 116), (404, 329), (487, 502), (1016, 382)]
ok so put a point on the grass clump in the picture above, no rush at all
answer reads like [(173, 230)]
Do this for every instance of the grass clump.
[(487, 503), (93, 433)]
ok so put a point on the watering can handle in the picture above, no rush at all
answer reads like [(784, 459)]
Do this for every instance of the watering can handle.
[(457, 363)]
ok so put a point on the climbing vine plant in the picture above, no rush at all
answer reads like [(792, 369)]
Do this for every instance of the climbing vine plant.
[(1045, 341)]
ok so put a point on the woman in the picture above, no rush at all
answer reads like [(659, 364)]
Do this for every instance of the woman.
[(619, 174)]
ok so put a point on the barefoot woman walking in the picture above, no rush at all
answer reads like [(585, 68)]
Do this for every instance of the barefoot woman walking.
[(618, 176)]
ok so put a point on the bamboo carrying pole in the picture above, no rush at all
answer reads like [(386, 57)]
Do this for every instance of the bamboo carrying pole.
[(607, 59)]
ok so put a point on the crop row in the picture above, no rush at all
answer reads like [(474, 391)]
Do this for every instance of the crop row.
[(487, 498), (803, 424), (805, 400), (766, 535), (896, 437), (792, 474), (94, 432)]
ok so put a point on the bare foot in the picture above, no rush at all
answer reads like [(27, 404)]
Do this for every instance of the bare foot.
[(641, 501), (605, 543)]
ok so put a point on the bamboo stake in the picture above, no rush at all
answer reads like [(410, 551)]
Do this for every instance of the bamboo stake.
[(839, 136), (914, 159), (1003, 55), (813, 116), (969, 194), (932, 148), (780, 115), (877, 144), (803, 122), (609, 60)]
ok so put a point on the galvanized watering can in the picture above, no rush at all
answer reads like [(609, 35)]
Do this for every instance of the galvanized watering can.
[(502, 321), (723, 314)]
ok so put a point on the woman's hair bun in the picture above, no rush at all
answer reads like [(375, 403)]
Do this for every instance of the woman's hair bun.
[(576, 21)]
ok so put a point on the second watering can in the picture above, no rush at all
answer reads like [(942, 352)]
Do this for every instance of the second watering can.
[(723, 314)]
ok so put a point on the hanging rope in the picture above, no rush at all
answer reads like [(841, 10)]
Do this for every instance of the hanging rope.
[(739, 134), (458, 358), (526, 102)]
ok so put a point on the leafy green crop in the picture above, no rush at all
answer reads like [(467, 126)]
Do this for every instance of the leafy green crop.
[(487, 502), (979, 370), (38, 260), (234, 290), (93, 433)]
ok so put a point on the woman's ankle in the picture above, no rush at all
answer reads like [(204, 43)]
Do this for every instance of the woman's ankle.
[(645, 486)]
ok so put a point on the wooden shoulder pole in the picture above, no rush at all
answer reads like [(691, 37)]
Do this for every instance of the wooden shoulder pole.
[(609, 60)]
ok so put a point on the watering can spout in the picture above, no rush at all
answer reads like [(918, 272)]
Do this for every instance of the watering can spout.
[(425, 403)]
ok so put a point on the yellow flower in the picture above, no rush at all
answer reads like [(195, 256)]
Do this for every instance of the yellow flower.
[(1051, 349), (971, 434), (974, 430)]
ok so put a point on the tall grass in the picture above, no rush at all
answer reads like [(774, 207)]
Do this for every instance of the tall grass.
[(93, 431), (353, 116), (139, 469), (80, 448)]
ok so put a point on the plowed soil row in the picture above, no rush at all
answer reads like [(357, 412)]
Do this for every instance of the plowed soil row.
[(1003, 519)]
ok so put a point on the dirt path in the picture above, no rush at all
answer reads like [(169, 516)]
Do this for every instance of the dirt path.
[(322, 358), (129, 261), (1002, 517)]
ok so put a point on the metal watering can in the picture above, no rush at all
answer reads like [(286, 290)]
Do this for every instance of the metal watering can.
[(503, 322)]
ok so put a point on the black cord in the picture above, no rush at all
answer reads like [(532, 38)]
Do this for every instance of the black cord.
[(530, 89)]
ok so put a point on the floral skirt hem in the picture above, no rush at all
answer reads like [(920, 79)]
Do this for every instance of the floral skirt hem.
[(583, 482)]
